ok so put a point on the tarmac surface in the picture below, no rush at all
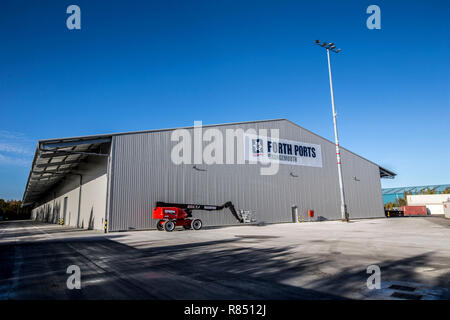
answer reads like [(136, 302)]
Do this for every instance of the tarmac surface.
[(316, 260)]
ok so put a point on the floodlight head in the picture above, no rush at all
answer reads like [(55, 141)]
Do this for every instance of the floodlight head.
[(338, 50), (332, 47), (324, 44), (317, 41), (331, 44)]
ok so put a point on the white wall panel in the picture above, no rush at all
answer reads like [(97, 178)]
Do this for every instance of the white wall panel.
[(93, 198)]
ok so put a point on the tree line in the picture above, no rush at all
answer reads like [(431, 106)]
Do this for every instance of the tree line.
[(12, 210)]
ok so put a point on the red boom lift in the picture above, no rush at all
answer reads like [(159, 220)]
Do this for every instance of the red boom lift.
[(170, 215)]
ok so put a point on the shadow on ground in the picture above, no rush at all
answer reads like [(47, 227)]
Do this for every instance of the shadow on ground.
[(223, 269)]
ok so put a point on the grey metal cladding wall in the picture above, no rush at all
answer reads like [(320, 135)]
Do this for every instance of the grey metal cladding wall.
[(143, 173)]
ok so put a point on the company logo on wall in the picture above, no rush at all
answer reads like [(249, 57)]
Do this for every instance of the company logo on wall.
[(257, 147), (265, 150)]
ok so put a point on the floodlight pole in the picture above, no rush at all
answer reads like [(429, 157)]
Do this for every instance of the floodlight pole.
[(344, 213)]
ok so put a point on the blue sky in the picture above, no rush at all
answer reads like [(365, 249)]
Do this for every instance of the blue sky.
[(138, 65)]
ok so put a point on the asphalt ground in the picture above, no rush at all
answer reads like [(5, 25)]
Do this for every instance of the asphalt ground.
[(315, 260)]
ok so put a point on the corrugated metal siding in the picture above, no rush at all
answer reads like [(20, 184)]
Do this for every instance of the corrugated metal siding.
[(143, 173)]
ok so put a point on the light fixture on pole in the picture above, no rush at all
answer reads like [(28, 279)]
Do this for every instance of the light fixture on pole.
[(331, 47)]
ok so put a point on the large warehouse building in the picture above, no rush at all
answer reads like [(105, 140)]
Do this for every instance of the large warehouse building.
[(114, 180)]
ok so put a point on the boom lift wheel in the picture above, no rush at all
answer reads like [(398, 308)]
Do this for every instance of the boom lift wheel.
[(159, 225), (169, 226), (196, 224)]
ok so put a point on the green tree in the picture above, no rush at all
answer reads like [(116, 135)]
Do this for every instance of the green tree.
[(399, 202), (11, 210)]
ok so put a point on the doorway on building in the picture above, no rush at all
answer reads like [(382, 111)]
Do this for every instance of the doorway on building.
[(64, 210), (294, 213)]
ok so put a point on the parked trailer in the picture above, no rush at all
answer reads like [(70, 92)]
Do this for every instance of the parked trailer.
[(414, 210)]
